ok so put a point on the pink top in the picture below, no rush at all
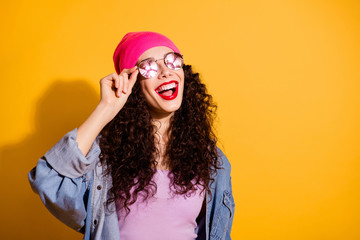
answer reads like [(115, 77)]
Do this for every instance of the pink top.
[(162, 217)]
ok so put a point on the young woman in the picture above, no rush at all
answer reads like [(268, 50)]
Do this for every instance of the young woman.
[(144, 165)]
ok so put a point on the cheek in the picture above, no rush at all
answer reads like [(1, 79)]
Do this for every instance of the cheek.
[(146, 89), (182, 79), (182, 75), (143, 86)]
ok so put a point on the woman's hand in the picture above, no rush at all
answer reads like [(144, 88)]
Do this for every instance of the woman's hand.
[(115, 89)]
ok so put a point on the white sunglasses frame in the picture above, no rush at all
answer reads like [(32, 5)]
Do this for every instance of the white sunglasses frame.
[(155, 60)]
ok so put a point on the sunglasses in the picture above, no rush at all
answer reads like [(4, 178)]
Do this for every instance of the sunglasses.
[(148, 68)]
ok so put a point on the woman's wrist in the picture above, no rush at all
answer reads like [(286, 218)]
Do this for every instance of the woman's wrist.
[(90, 129), (105, 112)]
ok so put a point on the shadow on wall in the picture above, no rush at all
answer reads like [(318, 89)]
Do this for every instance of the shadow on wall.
[(63, 107)]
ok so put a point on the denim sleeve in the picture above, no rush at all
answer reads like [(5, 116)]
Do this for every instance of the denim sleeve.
[(61, 178), (229, 200), (232, 203), (64, 197), (67, 159)]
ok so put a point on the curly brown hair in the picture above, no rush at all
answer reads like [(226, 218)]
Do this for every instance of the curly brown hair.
[(128, 148)]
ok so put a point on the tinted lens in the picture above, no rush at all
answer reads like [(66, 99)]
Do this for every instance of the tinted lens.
[(174, 61), (148, 68)]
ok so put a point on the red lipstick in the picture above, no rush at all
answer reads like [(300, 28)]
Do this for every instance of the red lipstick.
[(173, 95)]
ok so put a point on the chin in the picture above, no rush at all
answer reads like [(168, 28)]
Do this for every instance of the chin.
[(171, 109), (163, 110)]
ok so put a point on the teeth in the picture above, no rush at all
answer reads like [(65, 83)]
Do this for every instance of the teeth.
[(166, 87)]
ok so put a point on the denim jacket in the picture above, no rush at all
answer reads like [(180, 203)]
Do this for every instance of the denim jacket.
[(74, 189)]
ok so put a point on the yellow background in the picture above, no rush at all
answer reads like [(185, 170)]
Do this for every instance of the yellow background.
[(285, 75)]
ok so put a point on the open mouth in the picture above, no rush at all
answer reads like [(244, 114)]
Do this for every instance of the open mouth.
[(168, 90)]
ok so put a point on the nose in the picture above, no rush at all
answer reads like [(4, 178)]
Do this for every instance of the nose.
[(163, 70)]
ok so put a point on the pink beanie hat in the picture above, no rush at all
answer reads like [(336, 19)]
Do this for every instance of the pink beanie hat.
[(134, 44)]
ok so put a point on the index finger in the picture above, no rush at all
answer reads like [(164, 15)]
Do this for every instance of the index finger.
[(128, 71), (133, 79)]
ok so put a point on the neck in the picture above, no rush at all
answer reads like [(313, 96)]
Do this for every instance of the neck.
[(161, 137), (162, 123)]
